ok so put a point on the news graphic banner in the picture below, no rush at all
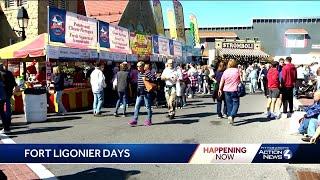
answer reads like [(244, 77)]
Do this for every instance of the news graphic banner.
[(159, 153)]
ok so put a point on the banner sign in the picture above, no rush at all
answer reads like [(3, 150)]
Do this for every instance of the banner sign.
[(132, 57), (177, 48), (70, 28), (172, 24), (194, 30), (179, 16), (71, 53), (160, 45), (140, 44), (105, 55), (236, 45), (119, 39), (104, 40), (158, 16), (159, 153)]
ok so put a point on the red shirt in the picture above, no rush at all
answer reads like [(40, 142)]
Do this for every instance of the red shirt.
[(41, 78), (289, 75), (273, 78)]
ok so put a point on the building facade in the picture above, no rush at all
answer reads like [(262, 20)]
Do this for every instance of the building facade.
[(277, 37)]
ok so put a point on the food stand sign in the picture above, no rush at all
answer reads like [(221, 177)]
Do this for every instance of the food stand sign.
[(177, 48), (160, 45), (235, 45), (104, 40), (119, 39), (140, 44), (70, 28)]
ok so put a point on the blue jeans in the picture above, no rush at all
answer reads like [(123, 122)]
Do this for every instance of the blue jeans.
[(303, 129), (8, 107), (147, 98), (5, 121), (312, 127), (97, 102), (219, 106), (233, 103), (123, 98), (61, 108)]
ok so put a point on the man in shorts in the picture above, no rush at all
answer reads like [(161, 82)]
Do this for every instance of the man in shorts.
[(274, 92)]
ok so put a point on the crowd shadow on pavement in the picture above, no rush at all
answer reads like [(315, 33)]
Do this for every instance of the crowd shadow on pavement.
[(177, 121), (196, 115), (253, 120), (39, 130), (75, 113), (101, 174), (248, 114), (61, 119)]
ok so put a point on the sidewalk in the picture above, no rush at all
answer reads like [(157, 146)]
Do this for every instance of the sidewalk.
[(16, 172)]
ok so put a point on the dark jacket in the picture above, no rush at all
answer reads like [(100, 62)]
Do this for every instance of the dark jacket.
[(9, 82), (59, 82), (122, 81)]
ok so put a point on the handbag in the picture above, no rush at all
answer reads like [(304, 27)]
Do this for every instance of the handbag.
[(241, 90), (149, 86)]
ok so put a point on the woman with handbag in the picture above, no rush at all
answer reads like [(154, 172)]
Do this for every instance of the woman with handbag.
[(144, 93), (229, 83)]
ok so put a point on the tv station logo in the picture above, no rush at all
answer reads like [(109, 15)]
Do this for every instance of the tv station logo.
[(275, 153)]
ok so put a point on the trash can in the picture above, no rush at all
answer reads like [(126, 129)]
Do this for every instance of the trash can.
[(35, 104)]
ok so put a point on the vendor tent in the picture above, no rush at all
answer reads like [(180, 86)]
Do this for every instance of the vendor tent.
[(33, 47)]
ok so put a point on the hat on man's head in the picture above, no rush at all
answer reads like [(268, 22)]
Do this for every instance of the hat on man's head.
[(140, 63)]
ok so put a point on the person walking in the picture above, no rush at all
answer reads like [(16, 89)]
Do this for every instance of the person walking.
[(170, 76), (217, 78), (10, 86), (5, 121), (289, 77), (193, 78), (229, 83), (263, 79), (143, 95), (274, 92), (183, 79), (253, 78), (206, 87), (98, 83), (58, 82), (122, 88)]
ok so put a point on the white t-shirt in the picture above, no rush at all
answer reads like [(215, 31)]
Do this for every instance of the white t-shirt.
[(97, 80), (171, 74)]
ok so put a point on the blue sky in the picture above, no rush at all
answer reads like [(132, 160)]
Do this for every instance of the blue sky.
[(241, 13)]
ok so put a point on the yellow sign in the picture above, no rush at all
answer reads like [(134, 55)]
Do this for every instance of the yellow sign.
[(158, 16), (172, 25), (193, 19), (140, 44)]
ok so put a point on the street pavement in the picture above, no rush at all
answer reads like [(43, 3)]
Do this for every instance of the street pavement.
[(197, 123)]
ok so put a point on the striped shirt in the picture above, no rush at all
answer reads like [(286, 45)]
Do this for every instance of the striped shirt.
[(148, 75)]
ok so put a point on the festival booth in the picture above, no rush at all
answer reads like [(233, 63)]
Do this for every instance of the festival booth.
[(241, 50)]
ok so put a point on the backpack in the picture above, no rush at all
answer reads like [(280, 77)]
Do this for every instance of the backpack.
[(241, 90)]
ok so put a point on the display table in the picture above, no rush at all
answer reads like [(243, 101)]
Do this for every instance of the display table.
[(73, 99)]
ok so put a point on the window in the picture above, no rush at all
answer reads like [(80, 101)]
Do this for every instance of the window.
[(22, 2), (62, 4), (9, 3), (296, 41)]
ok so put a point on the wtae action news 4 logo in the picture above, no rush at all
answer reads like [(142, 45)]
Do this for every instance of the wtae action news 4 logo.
[(275, 153)]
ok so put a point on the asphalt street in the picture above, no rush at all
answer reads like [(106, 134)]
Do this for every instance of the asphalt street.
[(197, 123)]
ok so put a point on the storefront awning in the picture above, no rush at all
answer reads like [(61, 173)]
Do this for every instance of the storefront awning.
[(296, 31), (33, 47), (217, 34), (242, 52)]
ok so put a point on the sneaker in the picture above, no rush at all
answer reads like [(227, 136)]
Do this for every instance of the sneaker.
[(306, 139), (278, 115), (220, 117), (133, 122), (115, 114), (4, 131), (289, 115), (123, 115), (147, 123), (272, 116), (229, 119)]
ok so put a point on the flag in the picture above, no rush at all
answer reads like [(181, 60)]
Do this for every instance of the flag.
[(158, 17), (194, 23), (172, 25), (178, 11)]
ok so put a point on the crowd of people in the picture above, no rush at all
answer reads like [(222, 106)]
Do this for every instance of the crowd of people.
[(146, 85)]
